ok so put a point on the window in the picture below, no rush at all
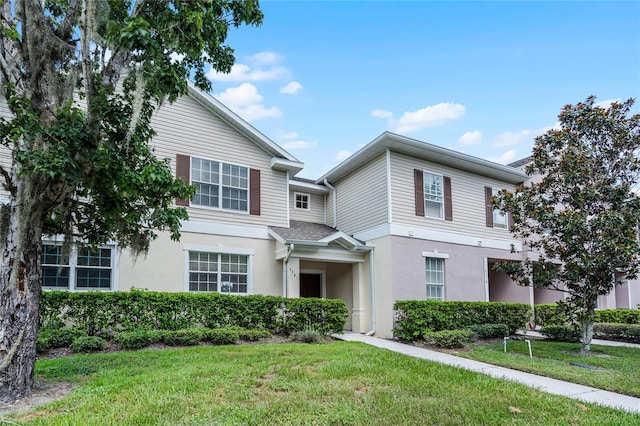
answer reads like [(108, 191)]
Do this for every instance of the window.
[(435, 278), (302, 201), (224, 273), (499, 217), (81, 268), (220, 185), (433, 195)]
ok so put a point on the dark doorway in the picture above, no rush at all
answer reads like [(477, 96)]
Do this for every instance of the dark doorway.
[(310, 285)]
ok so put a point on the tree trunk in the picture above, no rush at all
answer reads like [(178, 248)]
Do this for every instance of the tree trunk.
[(587, 328), (20, 287)]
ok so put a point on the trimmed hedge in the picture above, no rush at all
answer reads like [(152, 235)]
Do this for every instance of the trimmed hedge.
[(449, 338), (88, 344), (99, 313), (618, 316), (414, 317), (490, 331), (624, 332), (549, 314), (562, 332)]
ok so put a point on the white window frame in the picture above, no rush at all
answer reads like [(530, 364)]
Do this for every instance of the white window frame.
[(220, 185), (425, 174), (500, 219), (74, 266), (431, 284), (219, 250), (306, 199)]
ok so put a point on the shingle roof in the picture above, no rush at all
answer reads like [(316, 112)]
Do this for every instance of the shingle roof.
[(304, 231), (520, 162)]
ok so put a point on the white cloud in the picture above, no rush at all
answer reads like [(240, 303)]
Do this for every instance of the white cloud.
[(471, 138), (246, 102), (175, 57), (299, 145), (264, 58), (342, 155), (605, 103), (287, 135), (292, 88), (242, 72), (504, 158), (511, 138), (430, 116), (380, 113)]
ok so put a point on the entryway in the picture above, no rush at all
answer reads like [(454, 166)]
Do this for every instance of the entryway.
[(310, 285)]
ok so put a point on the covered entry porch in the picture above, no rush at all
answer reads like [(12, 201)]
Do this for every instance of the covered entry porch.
[(320, 261)]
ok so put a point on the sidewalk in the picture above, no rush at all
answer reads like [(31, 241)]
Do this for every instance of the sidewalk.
[(545, 384)]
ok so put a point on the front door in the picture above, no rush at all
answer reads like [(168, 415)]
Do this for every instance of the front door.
[(310, 285)]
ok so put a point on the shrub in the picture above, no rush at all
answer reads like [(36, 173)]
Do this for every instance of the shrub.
[(49, 338), (619, 316), (449, 338), (325, 315), (252, 334), (186, 337), (88, 344), (624, 332), (138, 339), (490, 331), (221, 336), (562, 332), (308, 335), (549, 314), (413, 317)]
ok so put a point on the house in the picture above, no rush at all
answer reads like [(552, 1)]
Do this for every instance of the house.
[(400, 219)]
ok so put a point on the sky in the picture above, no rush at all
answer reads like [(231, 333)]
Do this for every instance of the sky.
[(322, 79)]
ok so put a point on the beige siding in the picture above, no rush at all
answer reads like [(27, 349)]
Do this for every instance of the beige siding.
[(5, 153), (315, 213), (467, 193), (362, 197), (186, 127)]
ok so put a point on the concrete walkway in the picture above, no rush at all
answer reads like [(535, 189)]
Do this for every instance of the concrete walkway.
[(545, 384)]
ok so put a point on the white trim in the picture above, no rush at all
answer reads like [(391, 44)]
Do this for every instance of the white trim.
[(424, 195), (435, 254), (308, 186), (323, 282), (295, 201), (486, 279), (226, 229), (439, 236), (218, 249), (389, 197), (288, 200), (282, 165)]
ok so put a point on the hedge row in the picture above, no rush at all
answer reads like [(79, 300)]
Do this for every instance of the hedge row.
[(623, 332), (551, 314), (414, 317), (114, 312)]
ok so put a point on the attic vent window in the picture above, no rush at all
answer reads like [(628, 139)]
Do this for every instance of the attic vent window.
[(302, 201)]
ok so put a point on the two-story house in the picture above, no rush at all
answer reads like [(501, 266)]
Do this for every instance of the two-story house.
[(400, 219)]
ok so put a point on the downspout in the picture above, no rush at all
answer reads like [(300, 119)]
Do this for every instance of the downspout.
[(335, 200), (373, 296), (285, 262)]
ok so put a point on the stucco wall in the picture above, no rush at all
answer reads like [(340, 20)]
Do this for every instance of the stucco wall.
[(503, 289)]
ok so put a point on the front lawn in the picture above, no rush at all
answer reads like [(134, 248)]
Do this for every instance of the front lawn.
[(338, 383), (618, 367)]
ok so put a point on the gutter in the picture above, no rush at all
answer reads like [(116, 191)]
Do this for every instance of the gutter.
[(285, 262), (335, 200)]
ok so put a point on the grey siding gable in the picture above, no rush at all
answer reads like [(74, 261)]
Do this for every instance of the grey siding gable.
[(362, 197), (467, 193), (186, 127)]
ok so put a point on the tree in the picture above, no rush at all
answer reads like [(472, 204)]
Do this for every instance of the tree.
[(582, 218), (82, 79)]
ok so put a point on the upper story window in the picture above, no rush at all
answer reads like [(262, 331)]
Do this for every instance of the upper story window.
[(219, 272), (220, 185), (495, 218), (81, 268), (302, 201), (432, 195), (499, 217)]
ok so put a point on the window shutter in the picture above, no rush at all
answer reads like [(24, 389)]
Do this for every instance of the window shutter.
[(448, 205), (418, 183), (183, 166), (488, 193), (254, 192), (510, 218)]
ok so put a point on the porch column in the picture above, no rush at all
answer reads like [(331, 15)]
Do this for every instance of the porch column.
[(293, 277), (358, 313)]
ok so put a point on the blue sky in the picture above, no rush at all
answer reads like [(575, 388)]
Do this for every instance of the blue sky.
[(322, 79)]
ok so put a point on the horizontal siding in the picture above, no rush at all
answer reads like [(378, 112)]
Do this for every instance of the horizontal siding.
[(315, 213), (467, 193), (5, 153), (362, 197), (186, 127)]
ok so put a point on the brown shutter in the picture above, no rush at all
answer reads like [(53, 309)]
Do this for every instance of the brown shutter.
[(448, 205), (418, 183), (254, 192), (510, 218), (488, 193), (183, 166)]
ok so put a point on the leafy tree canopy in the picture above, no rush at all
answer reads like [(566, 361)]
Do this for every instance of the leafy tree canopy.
[(579, 216)]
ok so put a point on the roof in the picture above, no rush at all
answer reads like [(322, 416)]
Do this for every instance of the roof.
[(521, 162), (423, 150), (317, 234), (280, 158)]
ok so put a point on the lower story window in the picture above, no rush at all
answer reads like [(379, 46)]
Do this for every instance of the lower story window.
[(80, 268), (435, 278), (224, 273)]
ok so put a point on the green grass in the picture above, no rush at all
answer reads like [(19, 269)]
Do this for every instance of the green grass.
[(340, 383), (619, 366)]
